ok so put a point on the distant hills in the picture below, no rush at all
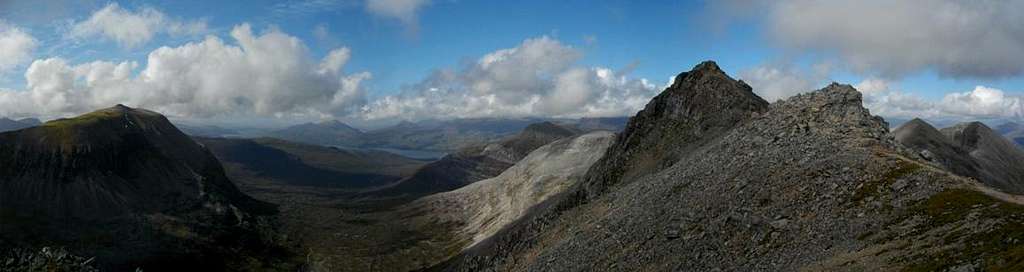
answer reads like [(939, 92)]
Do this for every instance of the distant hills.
[(7, 124), (430, 135)]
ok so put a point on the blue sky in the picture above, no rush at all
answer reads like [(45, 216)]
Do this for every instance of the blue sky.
[(401, 45)]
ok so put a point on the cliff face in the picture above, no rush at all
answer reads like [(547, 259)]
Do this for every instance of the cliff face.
[(122, 183)]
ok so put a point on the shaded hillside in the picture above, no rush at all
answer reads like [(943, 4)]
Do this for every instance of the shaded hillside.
[(128, 187), (307, 165), (1001, 162), (968, 149), (476, 163), (813, 182)]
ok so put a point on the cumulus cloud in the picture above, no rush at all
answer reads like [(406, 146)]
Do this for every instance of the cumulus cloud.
[(402, 10), (16, 47), (132, 28), (268, 74), (980, 103), (539, 77), (959, 39)]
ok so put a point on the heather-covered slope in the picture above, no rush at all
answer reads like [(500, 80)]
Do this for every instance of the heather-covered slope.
[(126, 186), (814, 182)]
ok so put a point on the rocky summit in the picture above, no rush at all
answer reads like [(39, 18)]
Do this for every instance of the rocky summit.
[(126, 185), (813, 182)]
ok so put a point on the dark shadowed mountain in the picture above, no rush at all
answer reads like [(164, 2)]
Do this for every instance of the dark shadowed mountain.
[(128, 187), (7, 124), (1013, 131), (475, 163), (300, 164), (327, 133), (813, 182), (1001, 162), (968, 149)]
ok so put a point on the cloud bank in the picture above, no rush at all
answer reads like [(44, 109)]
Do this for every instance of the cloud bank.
[(130, 28), (539, 77), (268, 74), (890, 39)]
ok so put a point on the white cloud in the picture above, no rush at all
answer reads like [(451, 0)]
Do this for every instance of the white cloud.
[(132, 28), (891, 39), (774, 83), (537, 78), (983, 102), (16, 47), (402, 10), (980, 103), (271, 74)]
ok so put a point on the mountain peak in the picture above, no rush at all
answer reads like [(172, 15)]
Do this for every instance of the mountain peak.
[(701, 104)]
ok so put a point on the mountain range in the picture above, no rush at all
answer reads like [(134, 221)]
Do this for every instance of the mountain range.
[(707, 177)]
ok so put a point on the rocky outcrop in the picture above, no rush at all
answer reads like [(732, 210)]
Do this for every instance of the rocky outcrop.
[(698, 107), (124, 185), (813, 182)]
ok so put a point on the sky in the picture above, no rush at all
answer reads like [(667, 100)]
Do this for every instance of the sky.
[(372, 61)]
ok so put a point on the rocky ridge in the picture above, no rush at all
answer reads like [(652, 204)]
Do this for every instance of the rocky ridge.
[(814, 182)]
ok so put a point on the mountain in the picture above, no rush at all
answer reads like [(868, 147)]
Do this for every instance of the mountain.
[(126, 186), (327, 133), (7, 124), (1012, 130), (934, 145), (968, 149), (475, 163), (999, 159), (699, 106), (813, 182), (284, 162)]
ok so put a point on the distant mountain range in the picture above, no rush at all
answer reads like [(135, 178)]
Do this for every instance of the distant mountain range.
[(430, 135), (7, 124)]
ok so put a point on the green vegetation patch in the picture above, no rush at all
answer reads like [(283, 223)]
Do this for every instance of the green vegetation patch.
[(997, 248), (871, 188)]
